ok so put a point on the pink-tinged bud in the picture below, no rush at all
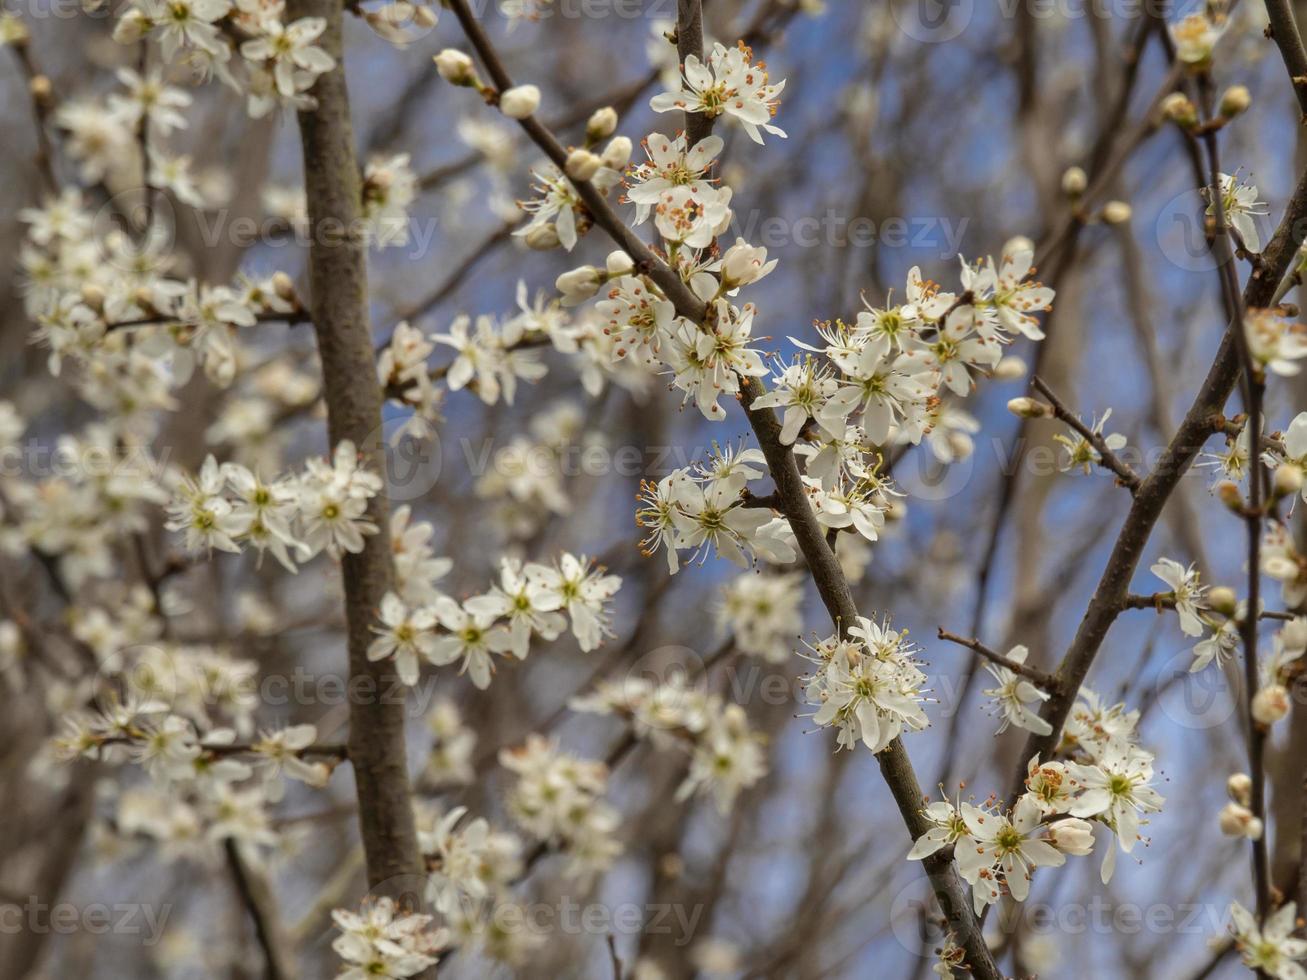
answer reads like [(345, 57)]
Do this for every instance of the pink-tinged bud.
[(1227, 492), (1270, 704), (1071, 836), (1236, 820)]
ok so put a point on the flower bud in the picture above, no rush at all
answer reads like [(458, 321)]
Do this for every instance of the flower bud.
[(742, 264), (1287, 480), (1029, 408), (424, 17), (1227, 492), (144, 298), (582, 164), (1235, 820), (1074, 182), (1178, 108), (93, 296), (1270, 704), (1117, 212), (456, 68), (1071, 836), (601, 124), (618, 263), (1240, 788), (617, 154), (1222, 599), (519, 101), (284, 287), (1235, 100), (542, 238), (1010, 368), (40, 88), (1294, 634), (578, 285), (1017, 243), (132, 26)]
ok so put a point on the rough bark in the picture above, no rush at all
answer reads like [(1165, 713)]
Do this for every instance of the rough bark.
[(338, 286)]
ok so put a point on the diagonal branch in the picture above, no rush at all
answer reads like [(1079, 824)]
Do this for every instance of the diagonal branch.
[(896, 768), (993, 656), (1106, 457)]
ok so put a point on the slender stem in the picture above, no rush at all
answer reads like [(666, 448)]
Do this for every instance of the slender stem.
[(1106, 457), (993, 656)]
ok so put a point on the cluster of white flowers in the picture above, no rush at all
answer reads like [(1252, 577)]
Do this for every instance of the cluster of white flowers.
[(731, 84), (277, 65), (763, 613), (492, 357), (558, 799), (529, 601), (1218, 617), (1105, 778), (471, 871), (82, 288), (726, 755), (382, 941), (867, 685), (100, 488), (700, 508), (323, 509), (184, 714)]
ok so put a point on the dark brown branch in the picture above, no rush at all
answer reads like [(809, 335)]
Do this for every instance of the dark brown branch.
[(896, 768), (1156, 488), (338, 283), (1283, 30), (255, 897)]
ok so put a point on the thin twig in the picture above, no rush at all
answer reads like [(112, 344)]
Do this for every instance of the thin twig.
[(1106, 457), (993, 656)]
